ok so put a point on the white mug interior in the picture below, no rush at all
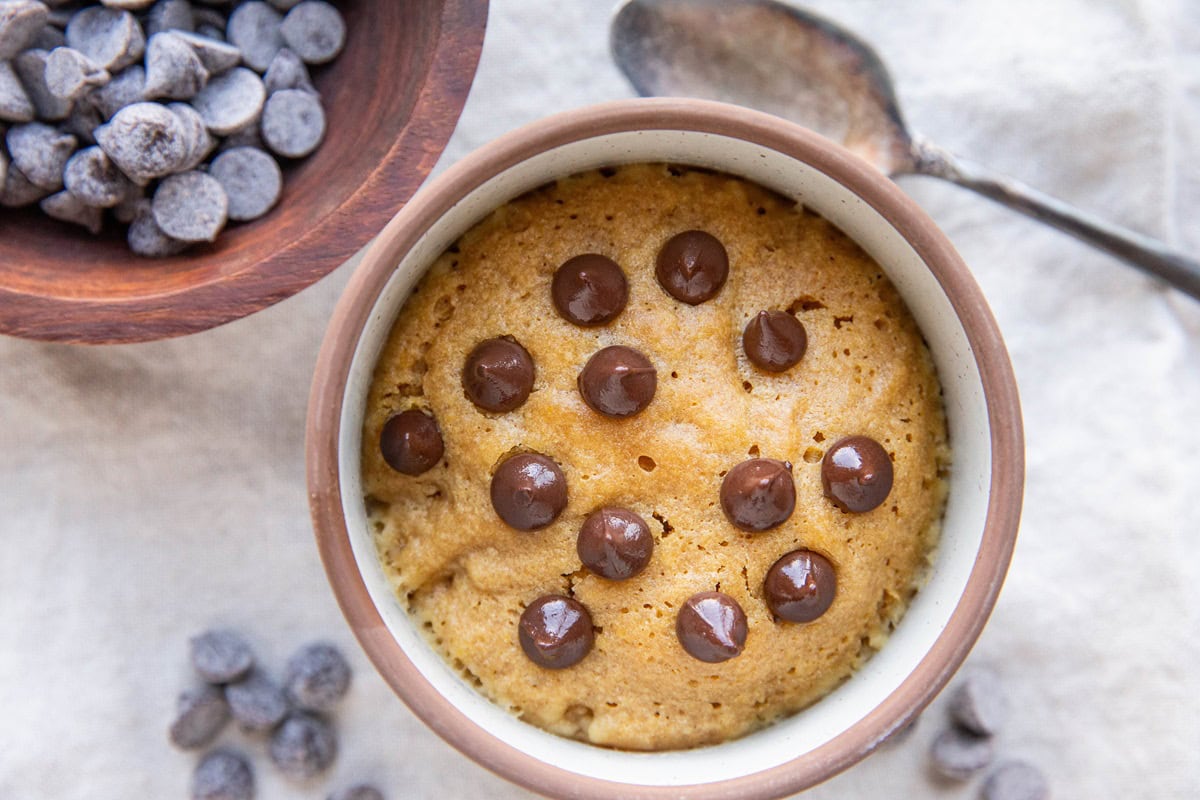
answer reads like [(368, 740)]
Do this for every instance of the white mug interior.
[(966, 411)]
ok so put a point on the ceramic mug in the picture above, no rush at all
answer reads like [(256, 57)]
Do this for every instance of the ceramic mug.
[(982, 410)]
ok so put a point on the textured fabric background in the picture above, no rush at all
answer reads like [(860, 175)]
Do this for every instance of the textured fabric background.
[(149, 491)]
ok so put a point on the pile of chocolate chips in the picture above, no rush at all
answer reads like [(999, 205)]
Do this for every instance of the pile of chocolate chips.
[(529, 490), (301, 741), (120, 107), (978, 707)]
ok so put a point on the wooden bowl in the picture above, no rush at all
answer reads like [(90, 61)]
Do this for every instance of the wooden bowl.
[(392, 100)]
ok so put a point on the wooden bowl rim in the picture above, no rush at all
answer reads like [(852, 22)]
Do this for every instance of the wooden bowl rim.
[(1006, 435), (149, 317)]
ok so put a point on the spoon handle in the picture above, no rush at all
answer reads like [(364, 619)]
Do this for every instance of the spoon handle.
[(1139, 250)]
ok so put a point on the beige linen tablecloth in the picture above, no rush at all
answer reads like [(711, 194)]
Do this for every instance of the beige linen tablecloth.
[(150, 491)]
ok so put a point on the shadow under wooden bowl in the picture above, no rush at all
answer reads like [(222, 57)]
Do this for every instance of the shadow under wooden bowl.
[(392, 100)]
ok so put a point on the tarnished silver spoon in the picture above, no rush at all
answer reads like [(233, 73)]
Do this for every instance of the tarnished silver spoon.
[(780, 59)]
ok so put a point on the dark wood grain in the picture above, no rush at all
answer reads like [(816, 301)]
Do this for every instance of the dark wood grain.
[(392, 101)]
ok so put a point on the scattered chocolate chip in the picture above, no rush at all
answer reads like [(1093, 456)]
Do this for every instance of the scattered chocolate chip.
[(411, 442), (126, 88), (220, 656), (110, 37), (200, 715), (199, 141), (66, 207), (91, 176), (216, 55), (692, 267), (303, 746), (214, 32), (20, 22), (618, 381), (223, 775), (317, 677), (251, 179), (959, 754), (362, 791), (589, 290), (70, 74), (293, 123), (800, 586), (231, 101), (256, 702), (287, 71), (857, 474), (173, 68), (210, 18), (498, 374), (711, 626), (774, 340), (1016, 780), (18, 191), (556, 632), (615, 543), (132, 204), (529, 491), (82, 123), (144, 237), (31, 68), (49, 38), (191, 207), (145, 140), (978, 703), (254, 29), (759, 494), (40, 152), (169, 15), (315, 30), (246, 137), (15, 105)]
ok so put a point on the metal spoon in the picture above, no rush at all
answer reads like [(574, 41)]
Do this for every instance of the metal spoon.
[(779, 59)]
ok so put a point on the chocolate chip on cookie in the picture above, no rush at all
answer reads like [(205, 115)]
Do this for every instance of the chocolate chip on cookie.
[(774, 340), (589, 290), (857, 474), (529, 491), (615, 543), (618, 381), (759, 494), (411, 442), (692, 267), (711, 626), (800, 586), (556, 632), (498, 374)]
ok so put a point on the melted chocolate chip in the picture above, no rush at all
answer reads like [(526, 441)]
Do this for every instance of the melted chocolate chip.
[(589, 290), (498, 374), (711, 626), (774, 340), (615, 543), (411, 442), (857, 474), (759, 494), (618, 381), (692, 267), (529, 491), (800, 586), (556, 632)]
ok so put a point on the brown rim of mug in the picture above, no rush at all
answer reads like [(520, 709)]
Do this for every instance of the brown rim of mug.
[(1000, 392)]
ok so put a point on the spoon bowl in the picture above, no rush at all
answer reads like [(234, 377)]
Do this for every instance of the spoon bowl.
[(781, 59)]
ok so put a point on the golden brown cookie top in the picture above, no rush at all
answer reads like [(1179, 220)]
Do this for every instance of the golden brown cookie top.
[(695, 390)]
